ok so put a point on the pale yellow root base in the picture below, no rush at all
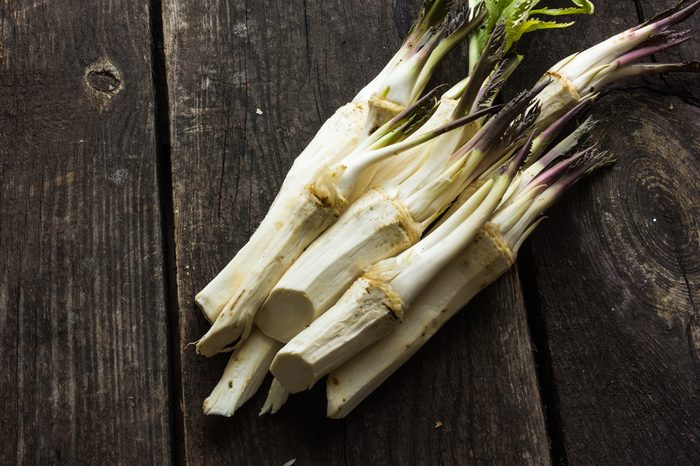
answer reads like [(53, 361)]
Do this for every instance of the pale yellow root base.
[(482, 262), (373, 228), (560, 95), (244, 373), (368, 311), (308, 217), (338, 136), (276, 398)]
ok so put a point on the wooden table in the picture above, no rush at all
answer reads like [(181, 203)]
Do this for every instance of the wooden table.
[(134, 162)]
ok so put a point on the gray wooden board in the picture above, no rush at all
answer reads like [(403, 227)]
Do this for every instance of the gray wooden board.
[(612, 278), (296, 62), (469, 397), (615, 270), (82, 318), (617, 275)]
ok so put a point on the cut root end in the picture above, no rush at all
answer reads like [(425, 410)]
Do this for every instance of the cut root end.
[(244, 373), (285, 313), (293, 371), (364, 314)]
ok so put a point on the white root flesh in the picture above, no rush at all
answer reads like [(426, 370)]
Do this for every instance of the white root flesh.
[(337, 138), (307, 217), (368, 308), (388, 169), (463, 197), (375, 227), (382, 294), (276, 398), (559, 97), (482, 262), (316, 208), (244, 373)]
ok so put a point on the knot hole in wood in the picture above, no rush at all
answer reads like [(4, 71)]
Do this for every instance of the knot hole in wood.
[(103, 81)]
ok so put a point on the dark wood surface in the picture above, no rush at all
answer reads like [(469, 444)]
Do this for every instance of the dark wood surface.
[(587, 353), (620, 307), (615, 272), (83, 341), (238, 159)]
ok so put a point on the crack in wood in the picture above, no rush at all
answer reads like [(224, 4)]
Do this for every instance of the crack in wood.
[(542, 355), (164, 169)]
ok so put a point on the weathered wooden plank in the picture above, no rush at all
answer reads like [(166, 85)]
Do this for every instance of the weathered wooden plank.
[(82, 320), (297, 61), (685, 87), (618, 274), (619, 279), (469, 397)]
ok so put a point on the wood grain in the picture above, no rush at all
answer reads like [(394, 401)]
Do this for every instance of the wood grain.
[(470, 396), (616, 272), (682, 85), (82, 320), (297, 61), (612, 279), (618, 275)]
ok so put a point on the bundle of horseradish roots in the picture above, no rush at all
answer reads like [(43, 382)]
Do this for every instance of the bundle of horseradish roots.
[(407, 203)]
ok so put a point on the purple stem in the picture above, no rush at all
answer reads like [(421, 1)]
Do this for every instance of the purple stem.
[(669, 40), (672, 16), (550, 175), (555, 128), (511, 168)]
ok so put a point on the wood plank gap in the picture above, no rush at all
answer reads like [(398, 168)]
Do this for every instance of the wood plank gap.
[(165, 196), (639, 10), (542, 355)]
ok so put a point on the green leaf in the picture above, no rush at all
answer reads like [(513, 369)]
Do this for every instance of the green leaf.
[(532, 25), (518, 16), (583, 7)]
